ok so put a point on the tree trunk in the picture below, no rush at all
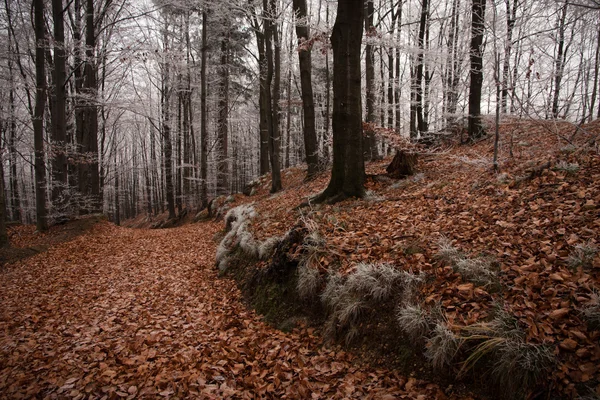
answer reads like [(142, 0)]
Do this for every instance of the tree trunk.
[(453, 66), (92, 109), (560, 59), (4, 242), (418, 88), (203, 118), (348, 171), (511, 18), (275, 138), (304, 55), (595, 87), (166, 129), (59, 128), (12, 132), (477, 32), (223, 120), (38, 117), (370, 146)]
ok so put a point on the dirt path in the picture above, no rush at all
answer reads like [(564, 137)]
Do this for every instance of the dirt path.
[(142, 314)]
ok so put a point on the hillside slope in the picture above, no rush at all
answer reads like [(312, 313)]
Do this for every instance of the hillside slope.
[(492, 274)]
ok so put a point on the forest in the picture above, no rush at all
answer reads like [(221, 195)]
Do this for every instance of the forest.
[(137, 107), (300, 198)]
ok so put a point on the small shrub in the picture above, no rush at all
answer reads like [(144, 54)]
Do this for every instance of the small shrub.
[(583, 255), (442, 346)]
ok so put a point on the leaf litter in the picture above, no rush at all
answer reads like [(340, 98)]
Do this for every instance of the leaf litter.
[(124, 313)]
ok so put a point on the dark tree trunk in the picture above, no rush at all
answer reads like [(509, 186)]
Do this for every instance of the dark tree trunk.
[(12, 132), (59, 128), (304, 55), (91, 116), (166, 131), (453, 66), (117, 188), (38, 117), (477, 32), (390, 88), (511, 18), (560, 59), (223, 121), (348, 171), (203, 118), (274, 61), (370, 146), (418, 88), (4, 242), (595, 87)]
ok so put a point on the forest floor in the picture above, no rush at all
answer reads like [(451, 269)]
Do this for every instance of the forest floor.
[(122, 312), (129, 313)]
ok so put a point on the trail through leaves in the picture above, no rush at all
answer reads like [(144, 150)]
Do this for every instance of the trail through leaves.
[(122, 313)]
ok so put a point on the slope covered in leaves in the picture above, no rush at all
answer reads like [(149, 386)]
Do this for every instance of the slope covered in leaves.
[(535, 219), (122, 313)]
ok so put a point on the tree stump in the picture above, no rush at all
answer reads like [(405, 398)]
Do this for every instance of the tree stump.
[(404, 164)]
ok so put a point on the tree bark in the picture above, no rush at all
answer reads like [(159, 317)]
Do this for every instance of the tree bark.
[(511, 18), (308, 106), (370, 146), (203, 117), (418, 88), (166, 128), (38, 117), (348, 173), (560, 59), (275, 138), (476, 73), (59, 128), (223, 120)]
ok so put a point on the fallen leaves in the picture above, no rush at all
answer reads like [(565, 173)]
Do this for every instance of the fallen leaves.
[(142, 314)]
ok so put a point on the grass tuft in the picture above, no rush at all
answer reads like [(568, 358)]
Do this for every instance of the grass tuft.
[(515, 364), (569, 168), (583, 255), (591, 311), (479, 270), (442, 346), (414, 321), (309, 281)]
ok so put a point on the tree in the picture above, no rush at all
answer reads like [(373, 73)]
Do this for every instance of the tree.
[(38, 117), (59, 127), (348, 170), (477, 31), (304, 56), (370, 145), (203, 116)]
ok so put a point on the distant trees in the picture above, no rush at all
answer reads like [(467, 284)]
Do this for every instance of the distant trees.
[(130, 108)]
